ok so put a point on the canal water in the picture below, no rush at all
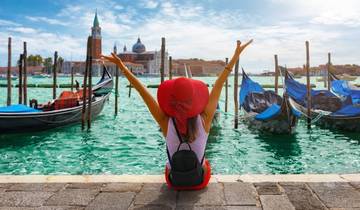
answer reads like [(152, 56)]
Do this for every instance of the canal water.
[(132, 144)]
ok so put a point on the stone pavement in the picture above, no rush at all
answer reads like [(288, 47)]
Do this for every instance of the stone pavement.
[(218, 195)]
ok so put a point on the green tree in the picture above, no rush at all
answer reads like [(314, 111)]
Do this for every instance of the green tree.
[(60, 63), (34, 60), (48, 63)]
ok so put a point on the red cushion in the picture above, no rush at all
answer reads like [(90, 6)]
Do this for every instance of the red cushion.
[(63, 103), (205, 182)]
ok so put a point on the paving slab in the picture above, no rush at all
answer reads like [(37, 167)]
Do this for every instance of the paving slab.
[(79, 197), (94, 186), (156, 194), (5, 185), (45, 187), (111, 200), (240, 193), (212, 195), (44, 208), (150, 207), (201, 208), (60, 208), (243, 208), (23, 199), (267, 188), (301, 197), (337, 195), (351, 177), (355, 185), (276, 202), (122, 187), (292, 178)]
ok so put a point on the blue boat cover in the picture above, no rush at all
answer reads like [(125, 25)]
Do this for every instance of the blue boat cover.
[(297, 90), (19, 108), (349, 111), (344, 89), (268, 113), (248, 86)]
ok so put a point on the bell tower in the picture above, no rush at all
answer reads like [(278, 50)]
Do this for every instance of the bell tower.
[(96, 38)]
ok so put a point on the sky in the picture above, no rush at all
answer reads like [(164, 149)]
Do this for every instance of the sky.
[(206, 29)]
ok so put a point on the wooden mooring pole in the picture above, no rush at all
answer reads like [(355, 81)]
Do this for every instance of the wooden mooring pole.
[(116, 84), (162, 64), (72, 78), (328, 72), (236, 88), (20, 79), (85, 83), (170, 67), (8, 101), (54, 74), (226, 88), (25, 75), (308, 88), (89, 90), (276, 74), (130, 84)]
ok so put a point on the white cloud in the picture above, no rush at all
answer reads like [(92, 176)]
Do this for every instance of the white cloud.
[(24, 30), (193, 31), (47, 20), (149, 4), (8, 23)]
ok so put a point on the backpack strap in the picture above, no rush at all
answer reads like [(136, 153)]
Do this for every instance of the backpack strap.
[(169, 157), (179, 136)]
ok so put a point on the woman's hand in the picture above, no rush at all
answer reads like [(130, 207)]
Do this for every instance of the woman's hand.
[(113, 58)]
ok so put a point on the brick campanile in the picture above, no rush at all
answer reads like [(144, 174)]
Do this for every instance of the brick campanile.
[(96, 38)]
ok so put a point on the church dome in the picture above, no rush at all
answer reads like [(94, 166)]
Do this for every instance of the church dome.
[(138, 47)]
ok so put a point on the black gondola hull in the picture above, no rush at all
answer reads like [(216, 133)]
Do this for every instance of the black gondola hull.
[(344, 123), (30, 122), (283, 123)]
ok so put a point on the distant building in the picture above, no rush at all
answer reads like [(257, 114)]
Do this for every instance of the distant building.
[(138, 59), (29, 69), (150, 60), (197, 67), (79, 66)]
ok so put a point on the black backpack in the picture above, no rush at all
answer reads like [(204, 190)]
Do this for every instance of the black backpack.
[(186, 170)]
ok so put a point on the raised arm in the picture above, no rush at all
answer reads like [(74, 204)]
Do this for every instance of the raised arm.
[(210, 108), (160, 117)]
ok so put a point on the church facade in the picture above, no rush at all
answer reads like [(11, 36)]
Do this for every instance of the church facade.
[(138, 60), (150, 61)]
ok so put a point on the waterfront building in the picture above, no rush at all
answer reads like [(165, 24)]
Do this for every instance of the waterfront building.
[(150, 60)]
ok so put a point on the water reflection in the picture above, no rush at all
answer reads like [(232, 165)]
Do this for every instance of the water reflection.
[(285, 150)]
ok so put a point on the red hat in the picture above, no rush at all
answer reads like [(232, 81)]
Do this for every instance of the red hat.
[(183, 98)]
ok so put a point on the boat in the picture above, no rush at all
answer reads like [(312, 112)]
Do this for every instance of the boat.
[(265, 110), (4, 77), (327, 109), (344, 88), (41, 76), (345, 77), (20, 118)]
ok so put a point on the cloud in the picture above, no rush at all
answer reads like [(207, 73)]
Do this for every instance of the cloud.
[(8, 23), (149, 4), (195, 29), (24, 30), (47, 20)]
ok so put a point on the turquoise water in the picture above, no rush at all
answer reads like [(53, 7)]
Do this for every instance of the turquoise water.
[(132, 144)]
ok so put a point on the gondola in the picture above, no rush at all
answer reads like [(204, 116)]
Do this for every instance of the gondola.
[(344, 89), (327, 109), (21, 118), (265, 110)]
